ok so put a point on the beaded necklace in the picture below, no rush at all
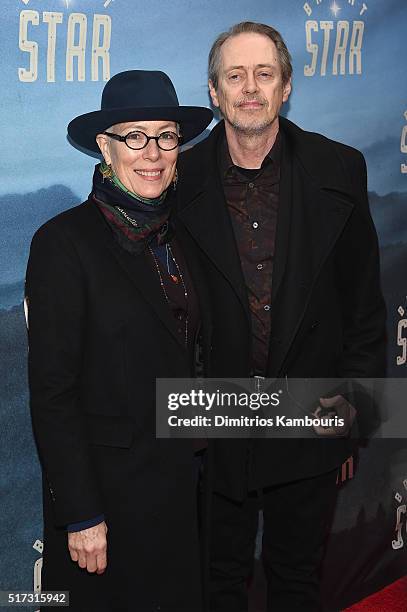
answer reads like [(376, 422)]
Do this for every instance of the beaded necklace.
[(169, 251), (173, 277)]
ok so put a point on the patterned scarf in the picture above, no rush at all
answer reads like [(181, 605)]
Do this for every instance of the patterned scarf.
[(135, 221)]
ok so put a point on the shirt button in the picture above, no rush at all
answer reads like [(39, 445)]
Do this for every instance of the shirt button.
[(260, 266), (255, 225), (266, 307), (251, 185)]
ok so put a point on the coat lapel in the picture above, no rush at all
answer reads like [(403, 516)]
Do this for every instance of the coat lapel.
[(204, 213), (312, 219), (283, 219)]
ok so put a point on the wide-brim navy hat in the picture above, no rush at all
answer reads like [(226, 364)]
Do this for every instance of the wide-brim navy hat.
[(138, 95)]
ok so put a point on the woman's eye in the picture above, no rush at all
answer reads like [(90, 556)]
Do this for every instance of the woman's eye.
[(135, 136), (168, 136)]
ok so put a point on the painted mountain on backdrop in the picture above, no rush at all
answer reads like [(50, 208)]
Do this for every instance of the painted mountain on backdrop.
[(389, 214), (22, 215)]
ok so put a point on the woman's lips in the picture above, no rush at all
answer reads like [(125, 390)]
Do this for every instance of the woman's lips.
[(149, 175)]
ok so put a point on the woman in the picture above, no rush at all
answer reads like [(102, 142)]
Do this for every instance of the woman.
[(113, 305)]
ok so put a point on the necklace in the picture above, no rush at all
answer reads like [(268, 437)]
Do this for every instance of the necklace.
[(172, 276)]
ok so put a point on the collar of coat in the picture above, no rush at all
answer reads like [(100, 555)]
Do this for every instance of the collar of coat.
[(319, 157)]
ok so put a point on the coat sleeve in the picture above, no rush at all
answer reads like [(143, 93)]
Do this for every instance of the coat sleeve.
[(56, 299), (362, 303)]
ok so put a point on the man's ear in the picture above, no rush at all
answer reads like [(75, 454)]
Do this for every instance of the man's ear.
[(213, 94), (104, 146), (286, 90)]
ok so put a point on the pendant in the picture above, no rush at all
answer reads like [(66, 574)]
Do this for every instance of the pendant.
[(174, 278)]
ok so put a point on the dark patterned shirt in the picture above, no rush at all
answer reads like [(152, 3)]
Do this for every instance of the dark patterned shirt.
[(252, 197)]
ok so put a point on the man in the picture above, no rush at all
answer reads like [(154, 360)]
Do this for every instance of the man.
[(282, 220)]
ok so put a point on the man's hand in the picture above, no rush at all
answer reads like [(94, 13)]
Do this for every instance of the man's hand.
[(329, 408), (89, 548)]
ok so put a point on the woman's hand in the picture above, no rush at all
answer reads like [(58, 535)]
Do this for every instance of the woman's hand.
[(89, 548)]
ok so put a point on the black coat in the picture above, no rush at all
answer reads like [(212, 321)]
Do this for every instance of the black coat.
[(327, 312), (100, 333)]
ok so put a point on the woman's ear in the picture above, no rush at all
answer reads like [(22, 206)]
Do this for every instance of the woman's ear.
[(104, 146)]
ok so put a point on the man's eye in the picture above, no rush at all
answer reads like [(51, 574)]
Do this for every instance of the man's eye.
[(265, 75), (234, 77)]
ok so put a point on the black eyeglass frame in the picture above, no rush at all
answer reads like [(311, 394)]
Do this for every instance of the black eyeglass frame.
[(156, 138)]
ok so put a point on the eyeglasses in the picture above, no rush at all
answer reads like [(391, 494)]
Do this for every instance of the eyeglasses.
[(167, 141)]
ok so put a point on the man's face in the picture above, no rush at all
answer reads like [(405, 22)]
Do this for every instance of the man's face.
[(250, 89)]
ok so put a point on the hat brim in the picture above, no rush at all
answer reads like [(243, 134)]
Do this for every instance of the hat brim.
[(192, 119)]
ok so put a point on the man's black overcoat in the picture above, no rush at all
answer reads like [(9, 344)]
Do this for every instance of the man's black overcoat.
[(327, 311), (100, 333)]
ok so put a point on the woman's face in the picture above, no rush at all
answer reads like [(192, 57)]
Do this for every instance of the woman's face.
[(147, 172)]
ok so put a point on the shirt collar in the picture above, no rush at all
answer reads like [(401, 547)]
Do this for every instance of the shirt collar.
[(226, 164)]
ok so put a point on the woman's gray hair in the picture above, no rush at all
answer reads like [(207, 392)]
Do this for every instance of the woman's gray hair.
[(214, 60)]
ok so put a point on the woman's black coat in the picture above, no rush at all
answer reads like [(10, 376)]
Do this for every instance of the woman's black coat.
[(100, 333)]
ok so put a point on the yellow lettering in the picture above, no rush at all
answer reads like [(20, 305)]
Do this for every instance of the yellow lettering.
[(402, 341), (28, 46), (101, 51), (342, 32), (401, 512), (76, 50), (326, 26), (52, 19), (311, 26), (307, 9), (355, 51)]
